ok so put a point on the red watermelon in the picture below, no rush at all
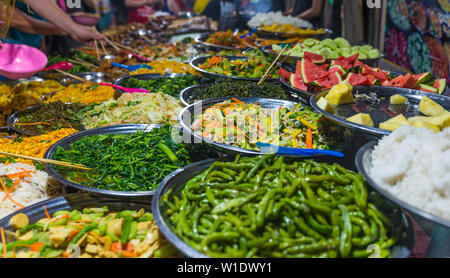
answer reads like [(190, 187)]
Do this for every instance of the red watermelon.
[(356, 79), (298, 68), (343, 63), (312, 72), (284, 73), (315, 58), (337, 68), (440, 84), (297, 82)]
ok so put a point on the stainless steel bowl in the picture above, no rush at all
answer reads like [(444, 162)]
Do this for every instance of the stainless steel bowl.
[(150, 76), (178, 179), (185, 120), (65, 144), (200, 60), (12, 120), (378, 110), (201, 39), (436, 228)]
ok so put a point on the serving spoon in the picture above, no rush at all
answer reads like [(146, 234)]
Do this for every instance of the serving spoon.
[(270, 148), (131, 67), (60, 66)]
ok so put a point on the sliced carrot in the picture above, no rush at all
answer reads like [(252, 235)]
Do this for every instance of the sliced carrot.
[(13, 253), (130, 247), (309, 139), (46, 212), (3, 242), (238, 101), (16, 203), (3, 185), (38, 123), (66, 254), (11, 189), (116, 246), (36, 247), (128, 254), (72, 235)]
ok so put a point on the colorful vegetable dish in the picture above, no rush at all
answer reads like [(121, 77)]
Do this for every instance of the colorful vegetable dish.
[(249, 68), (124, 162), (242, 125), (269, 207), (89, 233)]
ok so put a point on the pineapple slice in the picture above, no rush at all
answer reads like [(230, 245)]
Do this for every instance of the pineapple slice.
[(430, 108), (398, 99), (341, 94), (325, 105), (421, 121), (362, 119), (394, 123), (441, 121)]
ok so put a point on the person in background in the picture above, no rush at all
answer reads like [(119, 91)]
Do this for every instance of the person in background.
[(174, 6), (200, 5), (141, 9), (310, 10)]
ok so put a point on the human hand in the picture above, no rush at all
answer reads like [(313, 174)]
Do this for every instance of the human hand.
[(85, 34)]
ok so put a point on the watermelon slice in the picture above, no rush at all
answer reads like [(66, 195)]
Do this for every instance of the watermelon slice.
[(312, 72), (357, 79), (285, 74), (385, 83), (372, 79), (315, 58), (352, 59), (324, 83), (346, 65), (335, 77), (358, 63), (401, 81), (297, 82), (324, 66), (298, 68), (427, 88), (422, 78), (440, 84), (337, 68)]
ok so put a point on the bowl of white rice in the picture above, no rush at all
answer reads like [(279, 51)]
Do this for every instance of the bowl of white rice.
[(411, 168)]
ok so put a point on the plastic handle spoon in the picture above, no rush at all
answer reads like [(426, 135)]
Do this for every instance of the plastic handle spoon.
[(60, 66), (131, 68), (248, 34), (127, 90), (269, 148), (139, 57)]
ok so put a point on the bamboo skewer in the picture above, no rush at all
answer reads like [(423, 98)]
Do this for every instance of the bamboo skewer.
[(72, 75), (103, 47), (112, 44), (124, 47), (48, 161), (271, 66), (147, 39), (96, 49), (82, 63)]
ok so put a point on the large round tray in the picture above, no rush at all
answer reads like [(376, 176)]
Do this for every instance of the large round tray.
[(437, 228), (377, 111), (201, 39), (200, 60), (178, 179), (279, 35), (65, 143), (185, 120)]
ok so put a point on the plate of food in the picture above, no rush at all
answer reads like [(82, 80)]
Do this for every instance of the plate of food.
[(232, 125), (224, 41), (278, 231), (377, 111)]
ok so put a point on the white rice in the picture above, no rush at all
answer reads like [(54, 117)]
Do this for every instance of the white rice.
[(413, 164), (28, 191), (263, 19)]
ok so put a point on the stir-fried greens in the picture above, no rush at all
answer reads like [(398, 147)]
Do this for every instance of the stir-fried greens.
[(170, 86), (50, 117), (79, 60), (244, 124), (89, 233), (125, 162)]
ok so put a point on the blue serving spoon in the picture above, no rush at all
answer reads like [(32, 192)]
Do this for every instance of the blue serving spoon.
[(248, 34), (269, 148), (131, 68)]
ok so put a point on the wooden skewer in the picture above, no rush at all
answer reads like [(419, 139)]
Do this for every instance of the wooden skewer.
[(48, 161), (147, 39), (96, 49), (126, 48), (271, 66), (112, 44), (72, 75), (82, 63), (103, 47)]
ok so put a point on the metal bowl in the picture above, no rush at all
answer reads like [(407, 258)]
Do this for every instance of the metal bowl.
[(149, 76), (185, 120), (378, 111), (65, 144), (90, 76), (201, 39), (200, 60), (436, 228), (293, 59), (178, 179), (12, 120)]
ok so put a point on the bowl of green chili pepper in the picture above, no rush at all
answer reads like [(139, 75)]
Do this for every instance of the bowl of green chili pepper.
[(126, 160), (276, 207)]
